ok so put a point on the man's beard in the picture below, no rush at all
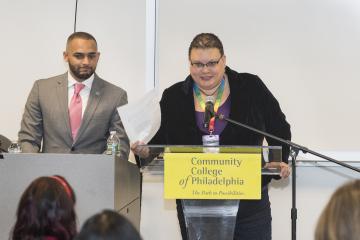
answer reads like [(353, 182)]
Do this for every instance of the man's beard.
[(81, 76)]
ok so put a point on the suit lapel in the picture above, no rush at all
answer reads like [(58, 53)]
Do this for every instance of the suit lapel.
[(93, 102), (62, 95)]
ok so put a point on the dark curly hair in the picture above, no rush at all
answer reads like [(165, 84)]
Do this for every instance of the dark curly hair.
[(46, 208)]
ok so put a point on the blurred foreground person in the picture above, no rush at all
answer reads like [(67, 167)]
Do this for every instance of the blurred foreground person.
[(340, 220), (108, 225), (46, 211)]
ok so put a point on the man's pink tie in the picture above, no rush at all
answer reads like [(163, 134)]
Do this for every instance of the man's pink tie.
[(75, 110)]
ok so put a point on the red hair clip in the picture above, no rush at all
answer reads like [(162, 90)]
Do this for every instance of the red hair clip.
[(64, 184)]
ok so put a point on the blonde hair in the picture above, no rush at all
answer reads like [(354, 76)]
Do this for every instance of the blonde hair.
[(340, 220)]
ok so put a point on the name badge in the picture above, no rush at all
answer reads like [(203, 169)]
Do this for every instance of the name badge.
[(211, 140)]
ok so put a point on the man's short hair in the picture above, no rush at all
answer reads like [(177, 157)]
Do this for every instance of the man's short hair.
[(206, 40), (81, 35)]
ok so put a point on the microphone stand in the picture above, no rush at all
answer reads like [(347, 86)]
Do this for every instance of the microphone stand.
[(294, 150)]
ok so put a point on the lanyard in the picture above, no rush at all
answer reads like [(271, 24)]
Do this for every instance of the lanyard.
[(216, 105)]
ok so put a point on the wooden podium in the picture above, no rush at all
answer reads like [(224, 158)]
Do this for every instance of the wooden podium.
[(99, 181)]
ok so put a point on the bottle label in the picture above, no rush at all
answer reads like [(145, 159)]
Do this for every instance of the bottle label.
[(112, 148), (115, 148)]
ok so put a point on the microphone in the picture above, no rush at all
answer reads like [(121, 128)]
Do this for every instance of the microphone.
[(209, 110)]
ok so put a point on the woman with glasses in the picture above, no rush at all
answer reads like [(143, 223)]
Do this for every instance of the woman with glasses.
[(240, 96)]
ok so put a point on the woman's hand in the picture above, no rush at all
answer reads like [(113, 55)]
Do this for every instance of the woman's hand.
[(141, 151), (284, 168)]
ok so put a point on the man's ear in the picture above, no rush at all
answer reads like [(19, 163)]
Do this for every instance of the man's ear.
[(65, 55)]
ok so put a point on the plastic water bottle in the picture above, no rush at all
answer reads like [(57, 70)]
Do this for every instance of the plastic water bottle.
[(113, 144), (14, 147)]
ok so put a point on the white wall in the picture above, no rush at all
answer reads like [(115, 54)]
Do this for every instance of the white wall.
[(33, 37), (32, 40), (305, 51)]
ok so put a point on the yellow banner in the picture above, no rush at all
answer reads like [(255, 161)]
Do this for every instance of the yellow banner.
[(212, 176)]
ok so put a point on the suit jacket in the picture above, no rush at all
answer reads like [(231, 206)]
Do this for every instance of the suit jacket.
[(46, 118)]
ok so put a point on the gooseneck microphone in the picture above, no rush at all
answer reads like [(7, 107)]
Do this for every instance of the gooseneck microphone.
[(295, 149), (209, 111)]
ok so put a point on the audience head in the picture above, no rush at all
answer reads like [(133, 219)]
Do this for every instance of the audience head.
[(46, 210), (340, 220), (108, 225)]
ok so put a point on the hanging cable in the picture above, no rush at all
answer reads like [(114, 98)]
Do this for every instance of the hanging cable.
[(155, 42), (76, 4)]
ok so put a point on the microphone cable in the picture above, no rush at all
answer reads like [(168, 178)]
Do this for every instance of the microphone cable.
[(76, 4)]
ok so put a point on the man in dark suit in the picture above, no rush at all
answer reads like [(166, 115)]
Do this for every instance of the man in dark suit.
[(74, 112)]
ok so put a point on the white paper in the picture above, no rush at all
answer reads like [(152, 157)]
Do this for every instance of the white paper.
[(141, 119)]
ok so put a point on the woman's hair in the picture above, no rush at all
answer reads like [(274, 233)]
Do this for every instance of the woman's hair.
[(340, 220), (205, 41), (46, 208), (108, 225)]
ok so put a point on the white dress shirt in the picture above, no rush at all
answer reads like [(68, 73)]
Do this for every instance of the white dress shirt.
[(84, 93)]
